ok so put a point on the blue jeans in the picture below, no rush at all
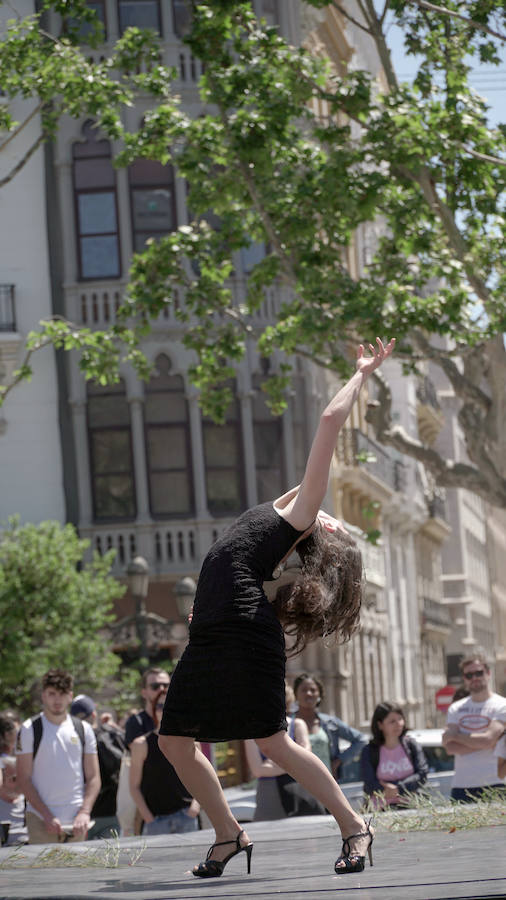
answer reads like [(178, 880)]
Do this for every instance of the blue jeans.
[(471, 795), (175, 823)]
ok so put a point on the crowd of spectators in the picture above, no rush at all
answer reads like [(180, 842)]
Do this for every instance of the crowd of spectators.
[(71, 773)]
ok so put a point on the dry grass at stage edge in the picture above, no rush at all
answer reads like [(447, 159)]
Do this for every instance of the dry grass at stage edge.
[(109, 855), (424, 813)]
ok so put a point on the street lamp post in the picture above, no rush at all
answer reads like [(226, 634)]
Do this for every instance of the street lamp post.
[(138, 582), (184, 590)]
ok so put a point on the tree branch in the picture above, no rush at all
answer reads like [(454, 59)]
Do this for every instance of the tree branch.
[(447, 219), (464, 387), (286, 262), (484, 156), (350, 18), (447, 473), (24, 159), (19, 129), (21, 372), (385, 10), (381, 45), (424, 4), (364, 11)]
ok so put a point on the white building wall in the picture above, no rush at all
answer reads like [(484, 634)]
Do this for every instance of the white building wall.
[(30, 457)]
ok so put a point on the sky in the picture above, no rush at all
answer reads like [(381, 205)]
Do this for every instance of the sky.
[(487, 80)]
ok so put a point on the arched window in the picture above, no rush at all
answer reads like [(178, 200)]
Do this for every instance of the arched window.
[(168, 445), (96, 210), (268, 437), (111, 458), (223, 460), (152, 200)]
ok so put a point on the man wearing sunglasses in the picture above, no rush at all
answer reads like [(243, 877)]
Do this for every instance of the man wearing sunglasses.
[(153, 681), (475, 724)]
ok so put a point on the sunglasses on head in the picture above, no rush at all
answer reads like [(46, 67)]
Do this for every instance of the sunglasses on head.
[(477, 674), (156, 685)]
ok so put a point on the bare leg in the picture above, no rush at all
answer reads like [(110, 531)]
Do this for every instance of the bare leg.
[(312, 774), (199, 777)]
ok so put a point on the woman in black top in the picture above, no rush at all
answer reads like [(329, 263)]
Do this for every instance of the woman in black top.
[(229, 682), (162, 800)]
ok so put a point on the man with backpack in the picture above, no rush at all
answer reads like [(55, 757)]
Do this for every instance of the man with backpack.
[(110, 748), (57, 766)]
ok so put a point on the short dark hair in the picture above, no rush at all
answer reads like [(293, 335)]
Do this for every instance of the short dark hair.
[(156, 670), (58, 679), (380, 713), (474, 657), (304, 677)]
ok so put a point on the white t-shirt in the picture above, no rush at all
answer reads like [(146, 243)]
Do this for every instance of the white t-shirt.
[(479, 768), (500, 748), (58, 765)]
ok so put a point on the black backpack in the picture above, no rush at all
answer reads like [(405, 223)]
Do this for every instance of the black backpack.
[(110, 749)]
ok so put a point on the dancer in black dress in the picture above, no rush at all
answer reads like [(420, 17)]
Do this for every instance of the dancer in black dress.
[(230, 681)]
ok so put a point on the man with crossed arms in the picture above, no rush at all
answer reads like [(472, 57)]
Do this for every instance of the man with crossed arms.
[(475, 724)]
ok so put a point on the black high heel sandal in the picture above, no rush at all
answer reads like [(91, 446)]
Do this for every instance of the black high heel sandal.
[(352, 861), (213, 868)]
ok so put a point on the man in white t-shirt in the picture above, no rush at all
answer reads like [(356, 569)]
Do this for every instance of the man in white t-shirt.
[(475, 724), (61, 779)]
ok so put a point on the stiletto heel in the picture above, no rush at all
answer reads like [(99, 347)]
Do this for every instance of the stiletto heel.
[(213, 868), (352, 861)]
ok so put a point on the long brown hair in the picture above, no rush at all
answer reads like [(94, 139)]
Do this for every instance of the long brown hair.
[(326, 596)]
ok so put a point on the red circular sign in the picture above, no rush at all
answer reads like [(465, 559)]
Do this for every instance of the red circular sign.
[(444, 697)]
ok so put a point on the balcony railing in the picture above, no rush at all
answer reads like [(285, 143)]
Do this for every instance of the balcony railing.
[(174, 55), (435, 613), (96, 303), (7, 308), (356, 448), (169, 547)]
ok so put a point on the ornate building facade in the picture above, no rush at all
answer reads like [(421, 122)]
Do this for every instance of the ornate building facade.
[(138, 468)]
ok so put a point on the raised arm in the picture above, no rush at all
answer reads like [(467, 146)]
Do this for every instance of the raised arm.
[(301, 506)]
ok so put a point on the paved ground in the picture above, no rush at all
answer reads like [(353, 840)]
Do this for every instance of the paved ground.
[(292, 859)]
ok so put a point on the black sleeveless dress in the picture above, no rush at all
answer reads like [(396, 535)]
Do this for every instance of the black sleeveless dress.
[(230, 681)]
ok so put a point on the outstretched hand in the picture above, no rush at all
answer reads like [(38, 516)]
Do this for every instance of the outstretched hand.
[(367, 364)]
